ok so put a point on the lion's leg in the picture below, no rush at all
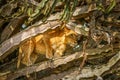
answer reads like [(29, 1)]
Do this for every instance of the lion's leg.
[(19, 57), (47, 43), (33, 57), (30, 52), (25, 51)]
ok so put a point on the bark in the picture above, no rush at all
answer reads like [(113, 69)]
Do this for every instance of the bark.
[(91, 53), (86, 72), (101, 64)]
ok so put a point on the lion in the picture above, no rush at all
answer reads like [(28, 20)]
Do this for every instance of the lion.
[(51, 43)]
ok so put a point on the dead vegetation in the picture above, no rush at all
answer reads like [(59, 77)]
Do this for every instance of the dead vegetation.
[(50, 28)]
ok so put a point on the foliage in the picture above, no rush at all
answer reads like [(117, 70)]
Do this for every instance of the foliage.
[(107, 9)]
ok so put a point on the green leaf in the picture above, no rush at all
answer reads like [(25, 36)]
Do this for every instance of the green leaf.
[(111, 6), (101, 7)]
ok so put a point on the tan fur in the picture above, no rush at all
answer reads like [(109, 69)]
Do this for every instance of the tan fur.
[(51, 43)]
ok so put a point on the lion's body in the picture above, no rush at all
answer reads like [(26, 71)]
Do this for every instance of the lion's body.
[(51, 43)]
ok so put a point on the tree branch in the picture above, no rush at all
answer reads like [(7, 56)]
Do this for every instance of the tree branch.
[(86, 72), (57, 62)]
